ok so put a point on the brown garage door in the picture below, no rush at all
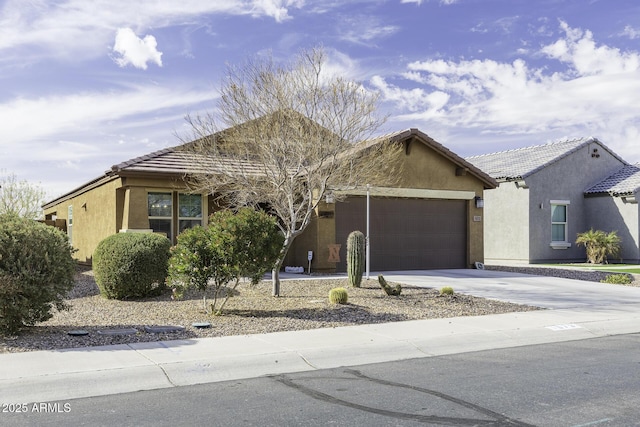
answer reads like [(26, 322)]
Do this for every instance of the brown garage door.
[(406, 234)]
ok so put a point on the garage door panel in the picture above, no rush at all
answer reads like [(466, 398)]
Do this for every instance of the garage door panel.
[(407, 234)]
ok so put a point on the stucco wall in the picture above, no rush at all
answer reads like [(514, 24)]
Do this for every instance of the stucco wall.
[(518, 220), (506, 215), (424, 168), (94, 217), (608, 213), (120, 204), (566, 179)]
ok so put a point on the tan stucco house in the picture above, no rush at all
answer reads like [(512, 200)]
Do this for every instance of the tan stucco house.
[(432, 219)]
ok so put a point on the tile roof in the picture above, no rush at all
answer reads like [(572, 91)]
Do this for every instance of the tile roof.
[(522, 162), (623, 182), (175, 161), (178, 162)]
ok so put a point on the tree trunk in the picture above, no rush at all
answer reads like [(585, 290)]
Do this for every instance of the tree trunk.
[(275, 281), (275, 272)]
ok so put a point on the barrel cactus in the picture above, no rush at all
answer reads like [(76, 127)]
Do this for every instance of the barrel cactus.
[(338, 296), (355, 258)]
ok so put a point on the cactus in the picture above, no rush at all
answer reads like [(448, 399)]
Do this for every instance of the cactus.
[(446, 290), (391, 291), (355, 258), (338, 296)]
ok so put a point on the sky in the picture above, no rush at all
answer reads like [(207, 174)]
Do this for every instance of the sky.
[(85, 85)]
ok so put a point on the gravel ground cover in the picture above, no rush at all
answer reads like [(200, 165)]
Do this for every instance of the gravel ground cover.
[(303, 304), (567, 273)]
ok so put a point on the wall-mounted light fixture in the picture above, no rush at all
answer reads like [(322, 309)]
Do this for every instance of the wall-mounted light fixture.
[(329, 197), (479, 202)]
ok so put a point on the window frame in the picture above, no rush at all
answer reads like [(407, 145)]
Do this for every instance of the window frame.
[(560, 244), (70, 224), (161, 217), (181, 218), (176, 217)]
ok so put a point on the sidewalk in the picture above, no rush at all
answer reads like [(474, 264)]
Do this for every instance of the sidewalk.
[(578, 310)]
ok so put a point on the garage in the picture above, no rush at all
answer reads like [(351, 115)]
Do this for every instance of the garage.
[(406, 234)]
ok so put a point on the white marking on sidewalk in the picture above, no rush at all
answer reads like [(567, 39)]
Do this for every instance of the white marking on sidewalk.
[(564, 327)]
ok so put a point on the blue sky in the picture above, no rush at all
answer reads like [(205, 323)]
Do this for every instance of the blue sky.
[(85, 84)]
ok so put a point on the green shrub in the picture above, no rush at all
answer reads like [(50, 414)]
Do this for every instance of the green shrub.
[(446, 290), (618, 279), (388, 289), (131, 265), (232, 246), (338, 296), (36, 271)]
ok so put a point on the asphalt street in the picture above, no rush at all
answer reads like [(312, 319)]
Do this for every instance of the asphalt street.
[(580, 383)]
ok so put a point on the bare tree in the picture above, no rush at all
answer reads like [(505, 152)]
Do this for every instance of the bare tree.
[(288, 139), (20, 197)]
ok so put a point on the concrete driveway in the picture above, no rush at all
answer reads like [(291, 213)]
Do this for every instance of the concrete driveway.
[(541, 291)]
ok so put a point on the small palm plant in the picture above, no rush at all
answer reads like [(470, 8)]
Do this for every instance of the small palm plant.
[(599, 245)]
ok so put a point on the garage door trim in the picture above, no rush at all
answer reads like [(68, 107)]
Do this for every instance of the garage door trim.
[(409, 193)]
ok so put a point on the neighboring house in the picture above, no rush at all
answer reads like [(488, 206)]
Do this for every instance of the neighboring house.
[(613, 205), (429, 220), (545, 198)]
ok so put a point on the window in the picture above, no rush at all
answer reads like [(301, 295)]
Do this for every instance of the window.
[(164, 219), (189, 211), (559, 229), (160, 209), (70, 224)]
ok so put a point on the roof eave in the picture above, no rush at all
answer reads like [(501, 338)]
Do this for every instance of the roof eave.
[(487, 180), (80, 190)]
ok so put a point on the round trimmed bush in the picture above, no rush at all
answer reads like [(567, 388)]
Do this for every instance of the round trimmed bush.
[(37, 270), (131, 265)]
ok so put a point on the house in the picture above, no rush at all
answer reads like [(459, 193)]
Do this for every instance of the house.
[(431, 219), (612, 204), (549, 193)]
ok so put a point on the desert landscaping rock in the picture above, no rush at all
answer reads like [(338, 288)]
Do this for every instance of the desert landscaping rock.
[(163, 329), (252, 310), (78, 333), (119, 331), (201, 325)]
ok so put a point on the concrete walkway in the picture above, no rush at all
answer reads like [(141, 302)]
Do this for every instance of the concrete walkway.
[(575, 310)]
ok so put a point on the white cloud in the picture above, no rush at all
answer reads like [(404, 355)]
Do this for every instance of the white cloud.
[(79, 29), (579, 50), (134, 50), (363, 29), (51, 118), (631, 32), (417, 99), (277, 9), (594, 93), (83, 134)]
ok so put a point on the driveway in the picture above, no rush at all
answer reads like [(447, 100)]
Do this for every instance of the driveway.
[(541, 291)]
